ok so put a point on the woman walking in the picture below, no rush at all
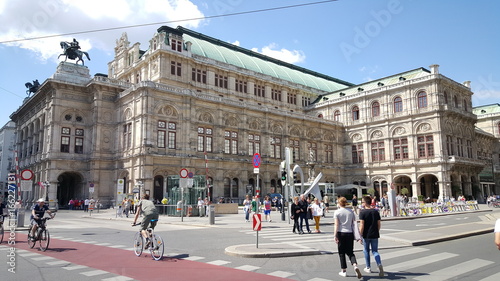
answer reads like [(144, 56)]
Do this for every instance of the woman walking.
[(295, 209), (317, 212), (346, 231)]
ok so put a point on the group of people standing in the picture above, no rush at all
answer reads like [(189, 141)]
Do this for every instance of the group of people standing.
[(303, 209)]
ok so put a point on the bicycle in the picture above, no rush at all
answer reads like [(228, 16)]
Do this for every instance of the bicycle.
[(42, 235), (156, 248)]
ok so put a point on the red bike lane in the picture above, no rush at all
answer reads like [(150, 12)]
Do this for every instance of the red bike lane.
[(124, 262)]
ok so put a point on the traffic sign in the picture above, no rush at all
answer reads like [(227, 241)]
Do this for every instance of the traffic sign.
[(183, 173), (26, 175), (257, 222), (256, 160)]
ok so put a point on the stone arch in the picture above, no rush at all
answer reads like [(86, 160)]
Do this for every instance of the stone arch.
[(276, 128), (377, 134), (254, 124), (205, 116), (167, 110), (356, 137), (424, 127), (231, 120), (295, 131), (70, 186)]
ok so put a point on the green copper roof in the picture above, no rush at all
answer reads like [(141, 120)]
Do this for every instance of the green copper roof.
[(394, 79), (486, 109), (215, 49)]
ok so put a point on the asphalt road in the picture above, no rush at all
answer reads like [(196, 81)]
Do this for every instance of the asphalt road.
[(98, 249)]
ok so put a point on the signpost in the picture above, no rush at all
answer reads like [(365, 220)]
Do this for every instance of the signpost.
[(257, 225)]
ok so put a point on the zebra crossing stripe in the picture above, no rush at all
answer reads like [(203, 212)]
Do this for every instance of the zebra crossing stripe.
[(494, 277), (455, 270), (94, 273), (247, 267), (418, 262)]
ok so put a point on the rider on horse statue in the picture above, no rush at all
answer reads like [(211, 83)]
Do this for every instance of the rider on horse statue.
[(72, 51)]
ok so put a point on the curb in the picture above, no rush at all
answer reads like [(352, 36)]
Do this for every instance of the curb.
[(251, 251)]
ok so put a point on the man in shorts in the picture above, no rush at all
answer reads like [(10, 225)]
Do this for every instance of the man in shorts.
[(150, 212), (37, 213)]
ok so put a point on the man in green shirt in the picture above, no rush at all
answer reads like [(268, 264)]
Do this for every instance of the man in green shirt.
[(150, 212)]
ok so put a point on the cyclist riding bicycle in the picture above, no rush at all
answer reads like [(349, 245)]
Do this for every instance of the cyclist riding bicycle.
[(37, 213), (150, 213)]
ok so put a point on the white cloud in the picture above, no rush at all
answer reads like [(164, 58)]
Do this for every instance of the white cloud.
[(285, 55), (236, 43), (27, 19)]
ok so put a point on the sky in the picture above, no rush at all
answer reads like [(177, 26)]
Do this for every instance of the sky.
[(352, 40)]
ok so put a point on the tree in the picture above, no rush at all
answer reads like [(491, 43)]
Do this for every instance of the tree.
[(404, 191)]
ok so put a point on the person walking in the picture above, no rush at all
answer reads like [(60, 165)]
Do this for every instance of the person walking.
[(247, 206), (317, 213), (304, 209), (295, 210), (369, 227), (267, 208), (346, 231), (355, 204)]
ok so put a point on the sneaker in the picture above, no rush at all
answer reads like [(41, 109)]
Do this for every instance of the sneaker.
[(358, 272), (381, 270), (343, 274), (148, 244), (367, 270)]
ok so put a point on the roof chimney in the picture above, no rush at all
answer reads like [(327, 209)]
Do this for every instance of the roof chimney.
[(434, 69)]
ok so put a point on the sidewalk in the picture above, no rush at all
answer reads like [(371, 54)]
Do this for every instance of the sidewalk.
[(282, 249)]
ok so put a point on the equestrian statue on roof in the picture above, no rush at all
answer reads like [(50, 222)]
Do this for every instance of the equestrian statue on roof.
[(72, 51)]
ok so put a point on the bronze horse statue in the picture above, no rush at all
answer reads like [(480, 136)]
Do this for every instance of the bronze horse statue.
[(71, 51), (32, 88)]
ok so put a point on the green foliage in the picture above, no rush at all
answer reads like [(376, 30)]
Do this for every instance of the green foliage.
[(420, 198), (404, 191), (371, 191)]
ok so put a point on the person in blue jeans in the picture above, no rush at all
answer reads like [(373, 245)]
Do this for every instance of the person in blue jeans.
[(369, 228)]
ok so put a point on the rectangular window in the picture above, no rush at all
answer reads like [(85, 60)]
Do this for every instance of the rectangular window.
[(357, 154), (230, 142), (240, 86), (306, 101), (172, 135), (460, 147), (295, 147), (425, 146), (175, 68), (259, 91), (449, 145), (378, 151), (127, 136), (176, 45), (65, 144), (79, 145), (162, 133), (291, 98), (329, 153), (469, 149), (275, 149), (253, 144), (276, 94), (221, 81), (401, 149), (204, 139), (199, 75)]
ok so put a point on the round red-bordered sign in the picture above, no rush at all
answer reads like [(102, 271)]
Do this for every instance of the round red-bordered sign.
[(26, 175), (256, 160), (184, 173)]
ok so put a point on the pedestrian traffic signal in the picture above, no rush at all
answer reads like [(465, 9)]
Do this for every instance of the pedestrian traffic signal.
[(283, 175)]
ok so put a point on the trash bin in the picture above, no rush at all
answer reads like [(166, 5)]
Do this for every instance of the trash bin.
[(211, 214)]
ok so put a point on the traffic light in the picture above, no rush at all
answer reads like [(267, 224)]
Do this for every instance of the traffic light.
[(283, 178)]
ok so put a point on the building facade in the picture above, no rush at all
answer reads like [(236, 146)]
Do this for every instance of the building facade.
[(7, 141), (190, 101)]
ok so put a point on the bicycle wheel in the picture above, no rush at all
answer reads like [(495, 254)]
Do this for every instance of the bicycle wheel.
[(138, 244), (157, 247), (44, 240), (31, 242)]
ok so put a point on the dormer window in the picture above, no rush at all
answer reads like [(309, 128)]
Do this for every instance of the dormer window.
[(176, 45)]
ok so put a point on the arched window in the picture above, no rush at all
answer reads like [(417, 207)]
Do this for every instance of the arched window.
[(320, 116), (375, 109), (445, 98), (465, 105), (336, 115), (398, 104), (455, 101), (422, 100), (355, 113)]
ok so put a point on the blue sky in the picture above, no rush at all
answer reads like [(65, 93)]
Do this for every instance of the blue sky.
[(352, 40)]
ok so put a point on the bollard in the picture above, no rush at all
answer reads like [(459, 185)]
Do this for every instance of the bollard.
[(211, 214)]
